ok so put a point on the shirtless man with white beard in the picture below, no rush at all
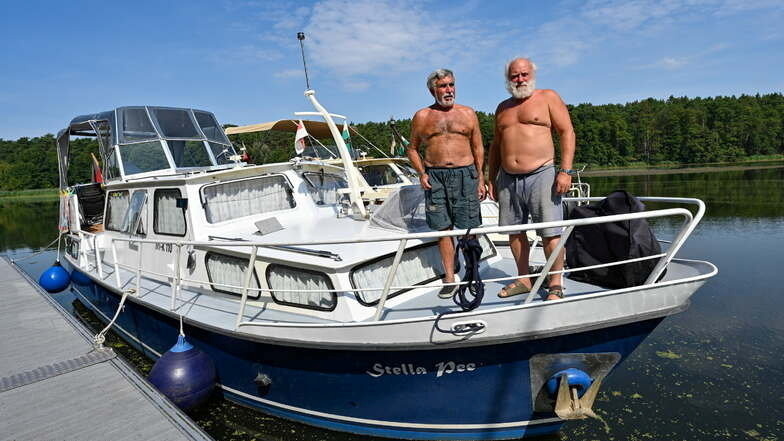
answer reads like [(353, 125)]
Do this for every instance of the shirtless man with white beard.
[(451, 173), (523, 178)]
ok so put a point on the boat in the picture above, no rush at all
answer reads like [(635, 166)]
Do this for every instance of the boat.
[(319, 306)]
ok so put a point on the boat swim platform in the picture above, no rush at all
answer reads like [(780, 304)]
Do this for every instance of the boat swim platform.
[(53, 386)]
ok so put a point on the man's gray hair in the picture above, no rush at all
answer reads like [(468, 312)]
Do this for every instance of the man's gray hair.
[(436, 75), (509, 63)]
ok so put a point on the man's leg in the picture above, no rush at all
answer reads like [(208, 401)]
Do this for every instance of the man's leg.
[(518, 243), (556, 280), (447, 248)]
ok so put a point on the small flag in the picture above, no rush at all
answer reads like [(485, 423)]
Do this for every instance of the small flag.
[(392, 147), (97, 175), (346, 136), (299, 138)]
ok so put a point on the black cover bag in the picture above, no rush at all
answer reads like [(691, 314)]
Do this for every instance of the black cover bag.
[(611, 242)]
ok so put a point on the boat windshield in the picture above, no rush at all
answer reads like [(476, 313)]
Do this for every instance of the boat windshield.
[(380, 174), (192, 138), (324, 187)]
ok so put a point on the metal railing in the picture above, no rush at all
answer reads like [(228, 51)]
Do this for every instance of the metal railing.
[(176, 280)]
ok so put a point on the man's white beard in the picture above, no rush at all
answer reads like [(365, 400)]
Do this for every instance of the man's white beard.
[(523, 91), (444, 103)]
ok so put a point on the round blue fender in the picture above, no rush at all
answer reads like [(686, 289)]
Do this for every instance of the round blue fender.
[(185, 374), (80, 278), (55, 278), (575, 377)]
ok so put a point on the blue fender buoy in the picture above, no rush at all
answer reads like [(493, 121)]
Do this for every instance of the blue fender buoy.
[(574, 376), (185, 374), (80, 278), (55, 278)]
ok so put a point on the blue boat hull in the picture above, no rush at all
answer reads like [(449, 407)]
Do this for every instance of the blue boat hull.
[(460, 393)]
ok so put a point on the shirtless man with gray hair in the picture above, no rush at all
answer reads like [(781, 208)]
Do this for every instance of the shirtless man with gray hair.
[(451, 173), (523, 176)]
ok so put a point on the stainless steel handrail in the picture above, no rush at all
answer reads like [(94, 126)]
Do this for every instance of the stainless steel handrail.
[(690, 222)]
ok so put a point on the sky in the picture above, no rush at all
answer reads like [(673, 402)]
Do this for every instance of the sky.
[(369, 59)]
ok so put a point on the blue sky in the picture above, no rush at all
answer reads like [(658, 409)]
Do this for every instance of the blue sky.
[(368, 59)]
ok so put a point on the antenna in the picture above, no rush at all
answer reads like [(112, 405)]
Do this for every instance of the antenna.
[(301, 37)]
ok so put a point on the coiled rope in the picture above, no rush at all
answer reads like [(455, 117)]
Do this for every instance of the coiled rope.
[(472, 281)]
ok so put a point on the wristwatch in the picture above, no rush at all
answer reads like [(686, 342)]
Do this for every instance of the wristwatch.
[(568, 171)]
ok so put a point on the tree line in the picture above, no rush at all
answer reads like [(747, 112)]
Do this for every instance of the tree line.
[(651, 131)]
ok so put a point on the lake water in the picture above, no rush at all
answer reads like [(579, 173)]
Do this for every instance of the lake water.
[(713, 372)]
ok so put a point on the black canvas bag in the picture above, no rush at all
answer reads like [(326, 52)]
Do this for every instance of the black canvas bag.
[(611, 242)]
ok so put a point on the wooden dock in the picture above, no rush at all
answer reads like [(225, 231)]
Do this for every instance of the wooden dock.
[(53, 387)]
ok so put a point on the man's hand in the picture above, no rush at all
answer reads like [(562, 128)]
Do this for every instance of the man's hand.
[(563, 182), (481, 190), (424, 181), (491, 192)]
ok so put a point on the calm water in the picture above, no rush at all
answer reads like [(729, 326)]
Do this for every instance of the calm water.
[(714, 371)]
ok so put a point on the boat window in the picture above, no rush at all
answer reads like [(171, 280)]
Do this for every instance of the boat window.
[(418, 265), (135, 125), (72, 247), (222, 153), (189, 153), (112, 169), (175, 123), (133, 216), (225, 270), (376, 175), (409, 172), (235, 199), (143, 157), (168, 218), (324, 186), (210, 127), (116, 205), (286, 282)]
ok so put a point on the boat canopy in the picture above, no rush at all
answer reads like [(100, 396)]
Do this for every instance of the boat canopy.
[(144, 140), (316, 129)]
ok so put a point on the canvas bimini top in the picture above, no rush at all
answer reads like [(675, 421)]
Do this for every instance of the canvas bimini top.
[(142, 141)]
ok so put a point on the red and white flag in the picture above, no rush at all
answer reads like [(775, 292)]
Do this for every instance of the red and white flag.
[(299, 138)]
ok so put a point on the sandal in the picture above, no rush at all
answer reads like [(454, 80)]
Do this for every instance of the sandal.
[(515, 288), (555, 290)]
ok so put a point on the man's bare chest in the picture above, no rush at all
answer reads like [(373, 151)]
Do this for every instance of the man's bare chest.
[(447, 126), (533, 114)]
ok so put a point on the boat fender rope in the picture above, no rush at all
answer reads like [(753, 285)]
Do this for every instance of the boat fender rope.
[(472, 252), (100, 337), (46, 248)]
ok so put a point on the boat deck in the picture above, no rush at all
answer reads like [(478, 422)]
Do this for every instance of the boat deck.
[(101, 399)]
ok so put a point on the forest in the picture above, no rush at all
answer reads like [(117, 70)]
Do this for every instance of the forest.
[(648, 132)]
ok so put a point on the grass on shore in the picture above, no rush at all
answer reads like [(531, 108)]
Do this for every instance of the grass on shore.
[(641, 165), (39, 194)]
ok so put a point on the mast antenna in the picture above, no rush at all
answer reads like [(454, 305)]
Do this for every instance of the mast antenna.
[(301, 37)]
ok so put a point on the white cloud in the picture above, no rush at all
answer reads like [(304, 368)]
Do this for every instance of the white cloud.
[(362, 37)]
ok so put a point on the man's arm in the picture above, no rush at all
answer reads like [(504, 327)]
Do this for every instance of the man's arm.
[(494, 157), (559, 115), (478, 150), (412, 150)]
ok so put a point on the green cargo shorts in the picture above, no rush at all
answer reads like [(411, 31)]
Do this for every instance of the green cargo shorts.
[(452, 200)]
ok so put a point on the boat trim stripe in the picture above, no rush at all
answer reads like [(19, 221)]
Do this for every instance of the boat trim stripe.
[(391, 423)]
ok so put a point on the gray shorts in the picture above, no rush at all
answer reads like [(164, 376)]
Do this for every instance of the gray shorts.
[(529, 193)]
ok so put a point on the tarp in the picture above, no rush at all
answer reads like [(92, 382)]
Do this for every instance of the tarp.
[(316, 129)]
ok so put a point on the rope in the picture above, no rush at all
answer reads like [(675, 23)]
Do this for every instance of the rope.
[(182, 331), (42, 250), (472, 252), (100, 337)]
